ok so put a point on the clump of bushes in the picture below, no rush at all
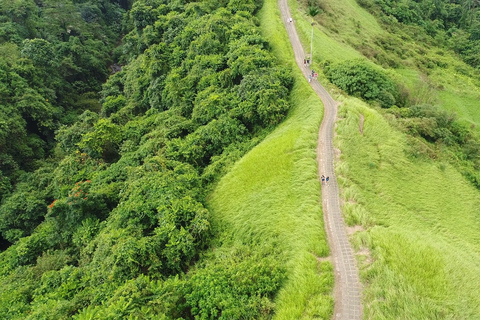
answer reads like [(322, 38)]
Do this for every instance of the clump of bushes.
[(364, 80), (442, 130)]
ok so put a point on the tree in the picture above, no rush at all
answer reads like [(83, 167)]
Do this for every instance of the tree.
[(40, 51), (362, 79), (103, 141), (61, 18)]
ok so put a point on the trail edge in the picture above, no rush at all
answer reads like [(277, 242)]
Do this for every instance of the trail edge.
[(347, 283)]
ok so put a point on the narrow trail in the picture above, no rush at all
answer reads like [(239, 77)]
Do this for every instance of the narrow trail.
[(347, 284)]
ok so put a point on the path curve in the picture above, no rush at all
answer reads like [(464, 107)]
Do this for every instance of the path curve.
[(347, 284)]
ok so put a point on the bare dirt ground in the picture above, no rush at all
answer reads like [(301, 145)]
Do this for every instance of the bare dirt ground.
[(347, 284)]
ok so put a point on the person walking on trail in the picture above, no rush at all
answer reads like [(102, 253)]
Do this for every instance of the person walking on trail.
[(328, 178), (304, 62), (323, 179)]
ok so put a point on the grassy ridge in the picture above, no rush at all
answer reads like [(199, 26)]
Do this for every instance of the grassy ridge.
[(326, 46), (420, 253), (271, 196), (423, 223)]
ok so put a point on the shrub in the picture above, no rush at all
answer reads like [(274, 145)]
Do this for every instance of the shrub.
[(239, 286), (362, 79)]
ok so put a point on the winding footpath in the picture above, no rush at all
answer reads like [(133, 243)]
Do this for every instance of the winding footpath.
[(347, 284)]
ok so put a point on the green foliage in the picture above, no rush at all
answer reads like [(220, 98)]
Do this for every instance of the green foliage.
[(103, 141), (444, 130), (68, 138), (361, 79), (52, 53), (263, 96), (21, 212), (313, 9), (207, 141), (115, 228), (452, 23), (239, 285), (247, 5), (24, 209), (433, 124), (40, 51), (113, 104)]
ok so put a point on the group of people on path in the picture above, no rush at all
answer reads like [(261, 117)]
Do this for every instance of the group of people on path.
[(324, 180), (313, 76), (306, 62)]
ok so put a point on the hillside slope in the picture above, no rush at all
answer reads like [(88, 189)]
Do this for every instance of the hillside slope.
[(123, 228), (409, 195), (271, 197)]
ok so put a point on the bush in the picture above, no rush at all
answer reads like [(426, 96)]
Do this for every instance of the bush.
[(239, 286), (363, 80)]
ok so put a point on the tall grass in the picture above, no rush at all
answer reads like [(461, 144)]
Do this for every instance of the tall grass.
[(332, 30), (271, 197), (422, 222), (420, 251), (344, 31)]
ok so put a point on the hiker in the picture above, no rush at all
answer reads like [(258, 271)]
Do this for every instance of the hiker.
[(309, 78), (308, 61), (304, 62), (328, 178), (323, 179), (290, 20)]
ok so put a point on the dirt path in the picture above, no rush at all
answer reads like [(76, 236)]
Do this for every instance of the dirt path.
[(347, 284)]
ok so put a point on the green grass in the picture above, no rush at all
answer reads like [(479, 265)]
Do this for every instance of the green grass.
[(272, 195), (324, 47), (464, 105), (445, 88), (420, 251), (344, 29), (459, 94), (332, 30), (421, 219)]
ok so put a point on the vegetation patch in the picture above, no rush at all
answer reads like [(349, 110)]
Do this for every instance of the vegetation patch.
[(115, 223), (361, 79)]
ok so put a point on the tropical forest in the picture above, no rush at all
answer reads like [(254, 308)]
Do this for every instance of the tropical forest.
[(160, 159)]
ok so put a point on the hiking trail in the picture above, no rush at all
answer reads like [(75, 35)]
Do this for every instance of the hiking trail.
[(347, 283)]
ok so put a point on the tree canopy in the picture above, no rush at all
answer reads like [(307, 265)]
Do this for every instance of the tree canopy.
[(456, 24), (104, 176)]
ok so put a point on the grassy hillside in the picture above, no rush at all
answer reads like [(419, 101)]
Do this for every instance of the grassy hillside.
[(344, 31), (271, 198), (418, 244), (147, 208), (421, 222), (124, 231)]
